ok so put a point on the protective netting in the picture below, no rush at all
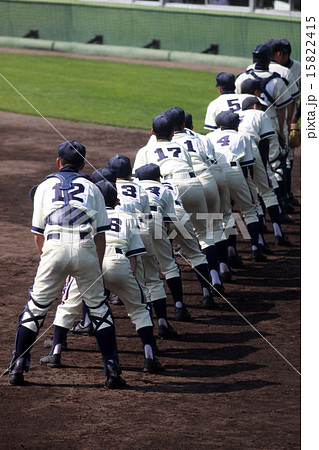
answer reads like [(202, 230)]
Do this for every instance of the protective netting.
[(232, 34)]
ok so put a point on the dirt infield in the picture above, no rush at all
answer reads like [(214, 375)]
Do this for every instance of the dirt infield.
[(224, 385)]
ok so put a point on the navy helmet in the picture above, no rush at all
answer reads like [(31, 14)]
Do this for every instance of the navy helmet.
[(262, 53), (227, 120), (225, 80), (163, 125), (72, 152), (120, 165), (148, 172), (109, 192), (103, 173)]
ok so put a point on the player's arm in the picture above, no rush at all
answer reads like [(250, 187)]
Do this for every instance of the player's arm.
[(99, 240), (281, 115), (39, 241)]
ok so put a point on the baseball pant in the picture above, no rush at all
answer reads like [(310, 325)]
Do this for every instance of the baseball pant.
[(73, 256)]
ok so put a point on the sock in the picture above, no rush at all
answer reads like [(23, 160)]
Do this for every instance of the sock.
[(106, 341), (159, 307), (223, 268), (176, 288), (253, 230), (85, 315), (222, 251), (277, 229), (58, 337), (215, 277), (25, 339), (202, 274), (162, 322), (212, 257), (147, 338), (260, 239), (148, 351), (232, 241)]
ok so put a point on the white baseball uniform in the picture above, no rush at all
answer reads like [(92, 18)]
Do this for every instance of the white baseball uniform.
[(163, 212), (176, 165), (257, 126), (229, 101), (203, 169), (134, 199), (68, 221), (233, 151), (122, 242)]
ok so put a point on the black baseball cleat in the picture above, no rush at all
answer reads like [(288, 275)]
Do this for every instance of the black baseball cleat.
[(53, 361), (225, 277), (182, 314), (258, 256), (218, 289), (86, 330), (235, 261), (282, 241), (265, 249), (16, 373), (209, 303), (114, 382), (152, 366), (49, 342), (166, 332)]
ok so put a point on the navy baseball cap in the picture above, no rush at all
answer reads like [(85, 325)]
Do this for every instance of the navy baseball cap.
[(262, 53), (163, 125), (72, 152), (275, 44), (227, 119), (148, 172), (286, 47), (103, 173), (249, 86), (225, 80), (109, 192), (177, 115), (120, 165), (250, 101)]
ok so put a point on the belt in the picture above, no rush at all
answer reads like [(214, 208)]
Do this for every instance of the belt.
[(153, 208), (178, 203), (184, 175), (83, 234), (118, 250), (233, 164)]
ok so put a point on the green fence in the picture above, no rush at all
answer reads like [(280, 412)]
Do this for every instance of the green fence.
[(236, 34)]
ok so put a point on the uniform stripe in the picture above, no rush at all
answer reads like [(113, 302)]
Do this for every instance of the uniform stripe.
[(37, 230)]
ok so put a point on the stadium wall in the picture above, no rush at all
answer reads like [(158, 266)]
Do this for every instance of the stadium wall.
[(136, 26)]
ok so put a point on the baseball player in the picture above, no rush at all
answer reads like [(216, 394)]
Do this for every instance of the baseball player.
[(69, 221), (258, 127), (274, 89), (165, 210), (123, 245), (176, 165), (134, 199), (203, 169), (228, 99), (226, 257), (277, 155), (235, 155)]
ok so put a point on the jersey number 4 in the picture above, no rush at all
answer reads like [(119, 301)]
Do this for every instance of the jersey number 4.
[(224, 140)]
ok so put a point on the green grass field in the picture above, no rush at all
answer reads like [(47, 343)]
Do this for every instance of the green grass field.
[(102, 92)]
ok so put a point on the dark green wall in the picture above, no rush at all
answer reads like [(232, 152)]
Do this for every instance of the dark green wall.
[(178, 29)]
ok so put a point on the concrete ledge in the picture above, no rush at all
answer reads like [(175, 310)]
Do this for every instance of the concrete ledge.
[(126, 52)]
